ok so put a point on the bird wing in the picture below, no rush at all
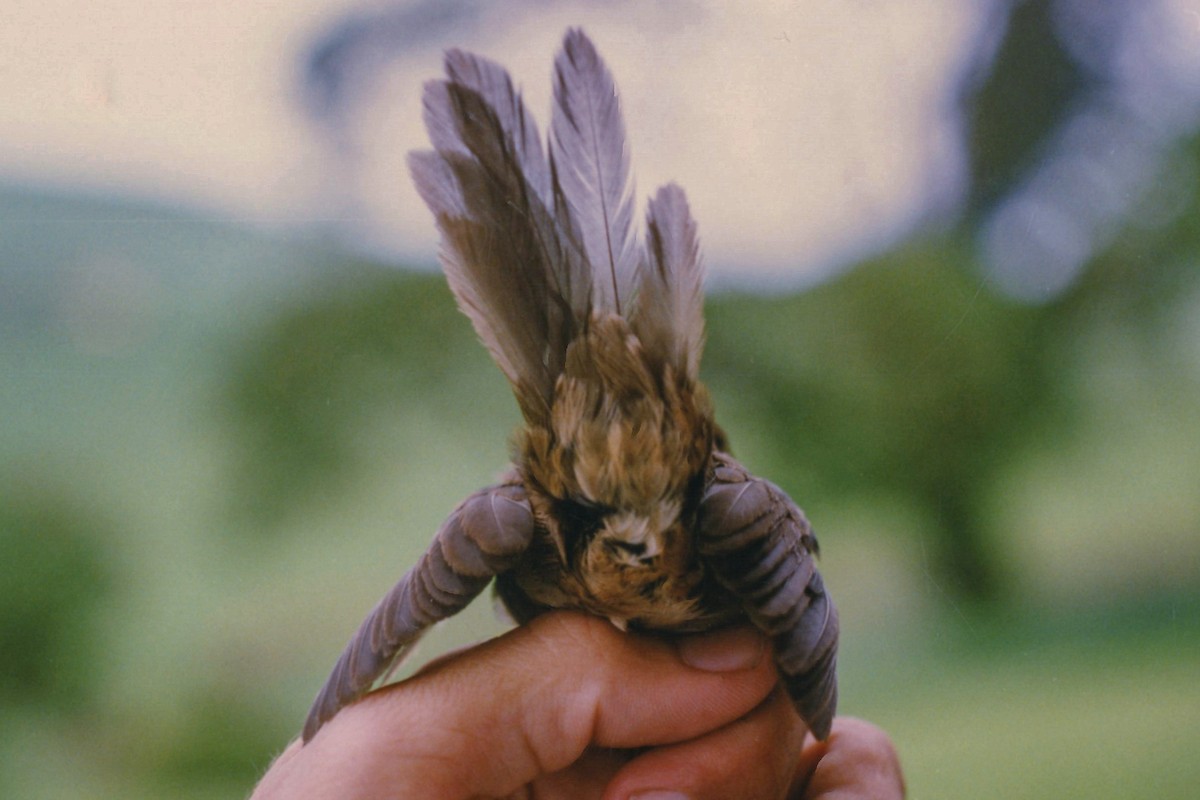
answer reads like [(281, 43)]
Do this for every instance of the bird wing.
[(483, 536), (759, 545)]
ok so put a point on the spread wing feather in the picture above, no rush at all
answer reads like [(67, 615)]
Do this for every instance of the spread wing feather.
[(669, 315), (492, 83), (524, 288), (532, 247), (589, 163)]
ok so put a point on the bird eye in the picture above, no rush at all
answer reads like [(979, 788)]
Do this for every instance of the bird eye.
[(582, 518), (633, 548)]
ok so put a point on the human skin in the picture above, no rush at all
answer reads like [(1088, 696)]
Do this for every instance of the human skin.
[(568, 706)]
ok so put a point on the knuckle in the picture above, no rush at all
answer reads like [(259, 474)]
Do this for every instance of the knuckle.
[(869, 743)]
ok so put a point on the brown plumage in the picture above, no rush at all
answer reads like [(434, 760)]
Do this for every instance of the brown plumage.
[(622, 500)]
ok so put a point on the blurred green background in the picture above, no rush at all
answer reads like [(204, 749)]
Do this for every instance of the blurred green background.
[(222, 445)]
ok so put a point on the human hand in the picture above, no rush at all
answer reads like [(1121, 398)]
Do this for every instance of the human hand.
[(568, 706)]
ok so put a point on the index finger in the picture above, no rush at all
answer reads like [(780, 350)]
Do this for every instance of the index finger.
[(858, 762)]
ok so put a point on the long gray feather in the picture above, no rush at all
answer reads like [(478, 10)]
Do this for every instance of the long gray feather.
[(669, 314), (495, 87), (493, 250), (589, 163), (570, 273), (503, 258), (507, 310)]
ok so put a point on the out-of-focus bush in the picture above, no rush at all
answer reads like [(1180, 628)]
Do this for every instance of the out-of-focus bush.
[(56, 577)]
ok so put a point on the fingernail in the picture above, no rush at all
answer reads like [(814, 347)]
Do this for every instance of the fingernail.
[(730, 650), (658, 794)]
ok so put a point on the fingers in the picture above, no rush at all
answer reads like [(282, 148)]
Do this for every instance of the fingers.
[(530, 703), (857, 762), (763, 756), (586, 778), (753, 757)]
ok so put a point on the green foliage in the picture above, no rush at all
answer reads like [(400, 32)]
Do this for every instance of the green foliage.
[(55, 575), (906, 376), (1140, 279), (225, 742), (1047, 711), (906, 361), (1027, 94), (364, 340)]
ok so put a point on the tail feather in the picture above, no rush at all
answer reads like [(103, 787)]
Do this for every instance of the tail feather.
[(535, 239), (494, 86), (590, 169), (484, 217), (508, 268), (669, 316)]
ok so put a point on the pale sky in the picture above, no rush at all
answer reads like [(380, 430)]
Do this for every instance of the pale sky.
[(803, 132)]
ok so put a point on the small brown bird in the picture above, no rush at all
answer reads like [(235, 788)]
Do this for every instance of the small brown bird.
[(622, 500)]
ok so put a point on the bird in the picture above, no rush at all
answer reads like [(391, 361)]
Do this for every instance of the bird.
[(622, 498)]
